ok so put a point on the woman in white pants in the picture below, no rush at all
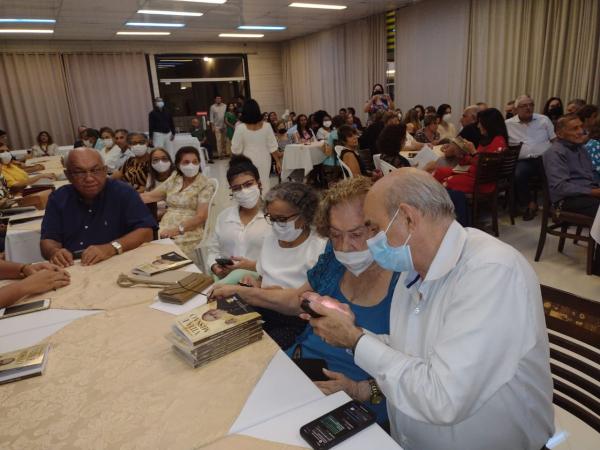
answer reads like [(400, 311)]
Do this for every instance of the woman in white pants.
[(255, 139)]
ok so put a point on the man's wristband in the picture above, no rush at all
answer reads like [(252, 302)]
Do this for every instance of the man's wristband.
[(356, 343)]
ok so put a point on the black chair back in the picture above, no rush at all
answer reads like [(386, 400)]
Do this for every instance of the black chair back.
[(574, 333), (488, 169), (510, 157)]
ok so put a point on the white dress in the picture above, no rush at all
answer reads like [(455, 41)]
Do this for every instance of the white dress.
[(258, 146)]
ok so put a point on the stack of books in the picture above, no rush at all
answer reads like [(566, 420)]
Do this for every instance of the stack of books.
[(214, 330), (24, 363)]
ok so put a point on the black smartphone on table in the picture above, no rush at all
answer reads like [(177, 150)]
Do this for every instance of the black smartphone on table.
[(338, 425), (77, 254), (224, 262)]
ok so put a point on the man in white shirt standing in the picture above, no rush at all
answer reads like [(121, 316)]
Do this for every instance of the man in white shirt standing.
[(217, 119), (536, 132), (466, 363)]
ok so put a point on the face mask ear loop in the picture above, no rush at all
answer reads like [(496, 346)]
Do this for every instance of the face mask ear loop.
[(392, 221), (407, 239)]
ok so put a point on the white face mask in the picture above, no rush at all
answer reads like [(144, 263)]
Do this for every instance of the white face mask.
[(139, 149), (286, 232), (190, 170), (327, 123), (355, 262), (248, 197), (161, 166), (87, 143), (160, 104), (5, 157), (108, 143), (447, 117)]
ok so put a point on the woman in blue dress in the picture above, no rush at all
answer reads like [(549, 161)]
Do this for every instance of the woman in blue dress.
[(345, 271)]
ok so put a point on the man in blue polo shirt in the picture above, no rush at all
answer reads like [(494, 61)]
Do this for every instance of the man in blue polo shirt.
[(94, 215)]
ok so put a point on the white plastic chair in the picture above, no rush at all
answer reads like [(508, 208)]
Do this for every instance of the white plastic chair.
[(386, 167), (200, 250), (345, 169)]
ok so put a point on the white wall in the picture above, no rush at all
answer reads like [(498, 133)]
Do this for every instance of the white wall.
[(264, 60)]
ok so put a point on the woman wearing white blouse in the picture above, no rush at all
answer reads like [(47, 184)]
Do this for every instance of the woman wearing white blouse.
[(45, 146), (240, 230), (255, 139), (289, 251)]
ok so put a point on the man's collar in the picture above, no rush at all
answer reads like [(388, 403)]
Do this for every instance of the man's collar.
[(520, 121), (448, 253), (570, 145)]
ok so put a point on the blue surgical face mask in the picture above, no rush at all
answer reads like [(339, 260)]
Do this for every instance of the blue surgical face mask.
[(396, 259)]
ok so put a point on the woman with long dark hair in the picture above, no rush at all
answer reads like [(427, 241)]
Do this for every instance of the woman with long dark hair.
[(494, 139), (304, 133), (553, 109), (255, 139)]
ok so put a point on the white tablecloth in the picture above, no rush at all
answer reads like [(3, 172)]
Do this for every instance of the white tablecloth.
[(22, 242), (301, 156), (595, 231), (185, 140), (19, 154), (64, 150)]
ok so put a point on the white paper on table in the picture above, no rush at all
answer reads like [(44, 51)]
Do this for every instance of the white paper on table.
[(285, 428), (282, 387), (424, 156)]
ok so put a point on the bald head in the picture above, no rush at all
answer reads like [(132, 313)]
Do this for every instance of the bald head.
[(416, 188), (82, 156)]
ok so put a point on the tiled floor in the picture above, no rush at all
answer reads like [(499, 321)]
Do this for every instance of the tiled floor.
[(564, 271)]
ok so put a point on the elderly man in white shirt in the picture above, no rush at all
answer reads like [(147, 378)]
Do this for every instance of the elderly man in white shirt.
[(536, 132), (466, 363)]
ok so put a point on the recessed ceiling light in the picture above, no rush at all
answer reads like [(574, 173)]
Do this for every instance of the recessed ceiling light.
[(144, 33), (23, 30), (169, 13), (261, 27), (316, 5), (207, 59), (240, 35), (27, 21), (155, 24), (218, 2)]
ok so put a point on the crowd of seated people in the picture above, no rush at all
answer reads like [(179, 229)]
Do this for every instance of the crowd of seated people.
[(372, 256)]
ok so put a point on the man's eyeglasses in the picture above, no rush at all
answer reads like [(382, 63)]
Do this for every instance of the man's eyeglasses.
[(96, 172), (279, 219), (239, 187)]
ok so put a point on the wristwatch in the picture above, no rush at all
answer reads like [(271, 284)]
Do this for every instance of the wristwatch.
[(181, 228), (117, 246), (376, 394)]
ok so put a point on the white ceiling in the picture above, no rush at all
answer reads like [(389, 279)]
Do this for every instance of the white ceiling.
[(101, 19)]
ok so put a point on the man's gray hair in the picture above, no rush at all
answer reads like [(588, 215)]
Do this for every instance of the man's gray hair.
[(420, 190), (299, 195), (522, 97), (472, 110), (77, 151)]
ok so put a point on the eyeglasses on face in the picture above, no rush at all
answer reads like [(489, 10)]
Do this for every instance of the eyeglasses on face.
[(279, 219), (96, 172)]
